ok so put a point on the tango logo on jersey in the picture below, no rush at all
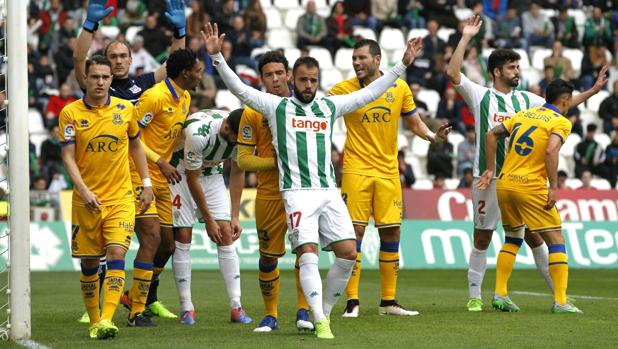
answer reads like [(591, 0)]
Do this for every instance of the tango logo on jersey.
[(501, 117), (376, 114), (313, 124), (117, 119), (103, 144), (69, 131)]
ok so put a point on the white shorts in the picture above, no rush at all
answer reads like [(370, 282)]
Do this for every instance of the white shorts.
[(485, 206), (317, 216), (184, 209)]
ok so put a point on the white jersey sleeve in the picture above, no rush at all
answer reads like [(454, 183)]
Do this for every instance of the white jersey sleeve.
[(471, 92), (345, 104), (195, 143), (535, 100)]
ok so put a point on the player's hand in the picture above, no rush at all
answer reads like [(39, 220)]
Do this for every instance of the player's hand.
[(213, 230), (170, 172), (96, 10), (236, 228), (472, 27), (90, 199), (176, 15), (413, 49), (145, 199), (551, 199), (485, 180), (601, 80), (443, 132), (211, 38)]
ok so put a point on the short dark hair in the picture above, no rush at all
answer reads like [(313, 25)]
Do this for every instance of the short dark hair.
[(591, 127), (310, 62), (123, 43), (234, 119), (179, 60), (561, 173), (98, 60), (272, 57), (556, 89), (499, 57), (374, 48)]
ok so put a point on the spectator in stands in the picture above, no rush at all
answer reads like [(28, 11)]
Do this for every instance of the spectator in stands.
[(255, 21), (63, 35), (495, 9), (197, 19), (608, 111), (56, 103), (360, 13), (241, 37), (565, 29), (53, 18), (134, 14), (507, 31), (466, 179), (224, 15), (64, 60), (2, 110), (562, 67), (406, 175), (40, 184), (340, 29), (538, 30), (44, 74), (141, 58), (562, 177), (155, 40), (587, 180), (466, 150), (474, 66), (480, 39), (440, 160), (427, 70), (449, 108), (589, 155), (385, 12), (410, 12), (611, 161), (311, 28), (442, 11), (51, 161), (548, 76), (421, 106), (597, 30), (595, 57), (439, 182), (573, 116)]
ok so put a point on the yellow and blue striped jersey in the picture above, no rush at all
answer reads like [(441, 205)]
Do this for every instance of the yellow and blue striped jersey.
[(524, 166)]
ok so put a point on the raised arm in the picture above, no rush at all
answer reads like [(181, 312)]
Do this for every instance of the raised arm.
[(263, 102), (598, 85), (470, 30), (95, 13), (175, 15), (416, 125)]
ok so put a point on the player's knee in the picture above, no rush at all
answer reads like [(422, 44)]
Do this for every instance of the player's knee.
[(88, 263), (226, 233), (115, 253), (345, 249), (482, 239), (389, 234)]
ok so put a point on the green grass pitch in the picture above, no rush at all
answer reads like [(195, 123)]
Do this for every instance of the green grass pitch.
[(440, 296)]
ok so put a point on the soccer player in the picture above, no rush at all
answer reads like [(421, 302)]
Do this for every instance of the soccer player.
[(209, 139), (536, 136), (98, 131), (270, 218), (370, 183), (301, 127), (492, 106), (161, 112)]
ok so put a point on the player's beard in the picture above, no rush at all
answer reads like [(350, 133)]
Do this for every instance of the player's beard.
[(514, 82), (298, 93)]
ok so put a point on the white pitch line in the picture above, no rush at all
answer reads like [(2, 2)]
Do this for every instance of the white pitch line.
[(28, 343), (538, 294)]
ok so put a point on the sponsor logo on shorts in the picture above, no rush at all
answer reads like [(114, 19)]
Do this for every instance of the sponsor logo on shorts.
[(247, 132), (127, 226)]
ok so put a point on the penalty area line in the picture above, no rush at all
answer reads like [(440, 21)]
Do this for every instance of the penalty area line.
[(28, 343), (538, 294)]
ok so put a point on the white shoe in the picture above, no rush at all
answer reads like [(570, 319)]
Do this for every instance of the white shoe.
[(396, 309), (352, 308)]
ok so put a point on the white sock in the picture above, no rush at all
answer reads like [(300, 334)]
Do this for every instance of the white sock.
[(336, 280), (230, 269), (311, 282), (476, 271), (541, 259), (181, 266)]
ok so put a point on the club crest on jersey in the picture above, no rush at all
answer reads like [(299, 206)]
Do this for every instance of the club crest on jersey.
[(390, 97), (247, 132), (501, 117), (117, 119), (69, 131), (312, 124), (83, 123)]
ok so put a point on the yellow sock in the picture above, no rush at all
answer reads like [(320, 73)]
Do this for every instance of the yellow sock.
[(505, 263), (90, 293), (142, 276), (559, 272), (112, 288), (269, 286), (353, 284), (389, 268), (301, 301)]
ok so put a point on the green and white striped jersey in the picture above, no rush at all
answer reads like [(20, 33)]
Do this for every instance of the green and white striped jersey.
[(201, 146), (302, 132), (490, 108)]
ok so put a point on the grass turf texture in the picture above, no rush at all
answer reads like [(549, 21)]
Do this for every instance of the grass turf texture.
[(440, 296)]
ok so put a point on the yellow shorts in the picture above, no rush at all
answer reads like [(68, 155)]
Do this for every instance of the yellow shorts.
[(366, 195), (161, 206), (519, 209), (93, 232), (271, 224)]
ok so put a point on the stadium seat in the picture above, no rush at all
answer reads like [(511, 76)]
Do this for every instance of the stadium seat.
[(455, 138), (432, 98), (567, 151), (395, 56), (531, 76), (524, 63), (286, 4), (603, 139), (226, 99), (422, 184), (318, 3), (279, 38), (444, 33), (266, 4), (573, 183), (365, 33), (343, 58), (576, 56), (273, 18), (110, 32), (463, 13), (593, 103), (329, 78), (260, 51), (451, 183), (322, 55), (563, 164), (131, 33), (538, 56), (292, 16), (600, 183), (416, 32), (35, 122), (589, 117), (292, 55), (580, 20), (391, 39)]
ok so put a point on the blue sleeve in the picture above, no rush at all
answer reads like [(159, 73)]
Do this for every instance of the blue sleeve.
[(145, 81)]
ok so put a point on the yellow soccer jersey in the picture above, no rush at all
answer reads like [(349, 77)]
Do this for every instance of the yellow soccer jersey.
[(371, 142), (161, 113), (524, 167), (254, 131), (101, 137)]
